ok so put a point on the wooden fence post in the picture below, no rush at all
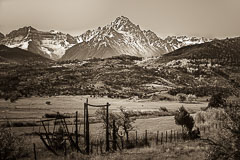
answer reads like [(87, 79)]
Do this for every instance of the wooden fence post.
[(136, 138), (107, 129), (177, 135), (122, 142), (76, 130), (166, 136), (161, 138), (171, 137), (87, 128), (101, 150), (146, 139), (157, 138), (114, 137), (174, 136), (34, 151), (97, 146), (91, 148), (65, 148)]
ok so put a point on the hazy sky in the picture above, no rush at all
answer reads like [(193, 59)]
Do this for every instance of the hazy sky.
[(208, 18)]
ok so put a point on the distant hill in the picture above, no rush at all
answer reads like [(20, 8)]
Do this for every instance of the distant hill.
[(223, 52), (20, 56)]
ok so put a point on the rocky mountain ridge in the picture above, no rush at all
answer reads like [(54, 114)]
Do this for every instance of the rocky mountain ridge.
[(124, 37), (119, 37)]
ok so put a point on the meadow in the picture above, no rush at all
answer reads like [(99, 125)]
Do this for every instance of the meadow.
[(33, 109)]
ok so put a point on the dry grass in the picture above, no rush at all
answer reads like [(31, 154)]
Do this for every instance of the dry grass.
[(189, 150)]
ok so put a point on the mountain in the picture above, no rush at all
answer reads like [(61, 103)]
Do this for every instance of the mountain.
[(202, 69), (1, 36), (50, 44), (124, 37), (20, 56)]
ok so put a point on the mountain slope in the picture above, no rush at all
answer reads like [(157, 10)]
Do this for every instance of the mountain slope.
[(1, 36), (123, 37), (225, 51), (20, 56), (49, 44)]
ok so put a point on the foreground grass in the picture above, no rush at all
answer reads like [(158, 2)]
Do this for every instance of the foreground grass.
[(189, 150)]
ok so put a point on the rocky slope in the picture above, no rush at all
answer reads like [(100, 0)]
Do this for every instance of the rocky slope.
[(223, 52), (49, 44), (124, 37)]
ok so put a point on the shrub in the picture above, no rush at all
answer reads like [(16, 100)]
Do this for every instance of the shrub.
[(181, 97), (183, 118), (11, 145), (224, 144), (217, 101)]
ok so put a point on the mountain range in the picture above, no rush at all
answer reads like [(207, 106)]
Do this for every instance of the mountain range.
[(50, 44), (119, 37)]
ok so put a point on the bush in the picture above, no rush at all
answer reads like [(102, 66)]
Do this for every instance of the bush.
[(11, 145), (164, 109)]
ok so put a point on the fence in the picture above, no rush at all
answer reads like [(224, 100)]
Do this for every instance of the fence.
[(87, 144)]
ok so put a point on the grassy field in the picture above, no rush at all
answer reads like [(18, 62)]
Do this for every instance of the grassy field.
[(36, 107), (33, 109), (188, 150)]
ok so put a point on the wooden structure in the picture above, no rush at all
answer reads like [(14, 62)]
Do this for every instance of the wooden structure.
[(87, 129), (59, 137)]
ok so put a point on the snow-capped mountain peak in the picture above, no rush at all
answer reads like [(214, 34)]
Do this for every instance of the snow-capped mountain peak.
[(122, 36)]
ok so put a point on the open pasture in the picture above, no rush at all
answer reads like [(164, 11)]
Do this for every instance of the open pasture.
[(34, 108)]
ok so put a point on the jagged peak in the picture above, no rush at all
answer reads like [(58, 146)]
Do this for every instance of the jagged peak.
[(121, 22), (121, 19), (28, 28)]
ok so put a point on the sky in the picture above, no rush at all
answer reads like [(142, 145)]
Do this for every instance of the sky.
[(204, 18)]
